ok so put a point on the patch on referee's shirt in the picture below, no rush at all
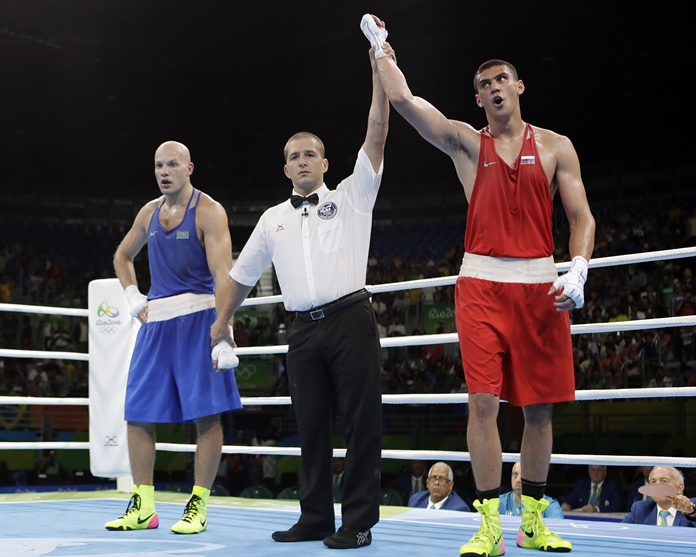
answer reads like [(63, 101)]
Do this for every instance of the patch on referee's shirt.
[(327, 210), (182, 235)]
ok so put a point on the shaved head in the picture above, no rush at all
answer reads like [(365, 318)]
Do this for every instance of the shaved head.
[(173, 147)]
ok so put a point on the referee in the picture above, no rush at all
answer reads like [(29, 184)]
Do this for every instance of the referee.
[(318, 242)]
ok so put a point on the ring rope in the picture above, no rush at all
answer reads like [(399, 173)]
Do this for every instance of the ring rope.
[(396, 454), (393, 342), (427, 398)]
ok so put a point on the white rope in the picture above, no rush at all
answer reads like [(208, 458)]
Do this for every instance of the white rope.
[(396, 454), (610, 261), (450, 338), (427, 398), (44, 401), (43, 354), (23, 308), (409, 454), (393, 342)]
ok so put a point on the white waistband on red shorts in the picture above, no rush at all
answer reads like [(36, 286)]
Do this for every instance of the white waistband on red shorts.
[(509, 269), (162, 309)]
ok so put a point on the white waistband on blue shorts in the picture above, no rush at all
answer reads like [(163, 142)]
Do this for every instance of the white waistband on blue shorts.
[(162, 309), (509, 269)]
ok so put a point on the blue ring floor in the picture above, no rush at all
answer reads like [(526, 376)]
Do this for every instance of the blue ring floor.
[(71, 524)]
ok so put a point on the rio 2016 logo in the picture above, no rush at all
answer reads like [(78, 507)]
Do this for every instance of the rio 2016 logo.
[(108, 321)]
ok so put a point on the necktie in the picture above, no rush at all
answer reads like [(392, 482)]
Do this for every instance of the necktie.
[(594, 500), (433, 506), (298, 200), (663, 518)]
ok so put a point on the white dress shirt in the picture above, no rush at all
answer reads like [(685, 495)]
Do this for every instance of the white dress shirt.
[(319, 252), (436, 506)]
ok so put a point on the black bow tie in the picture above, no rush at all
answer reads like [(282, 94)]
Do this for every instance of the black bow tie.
[(298, 200)]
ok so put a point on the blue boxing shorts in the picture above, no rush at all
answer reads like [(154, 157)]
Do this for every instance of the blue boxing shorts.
[(171, 377)]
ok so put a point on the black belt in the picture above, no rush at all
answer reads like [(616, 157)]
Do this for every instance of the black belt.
[(332, 307)]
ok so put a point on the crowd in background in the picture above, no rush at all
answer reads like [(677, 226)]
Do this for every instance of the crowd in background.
[(57, 272)]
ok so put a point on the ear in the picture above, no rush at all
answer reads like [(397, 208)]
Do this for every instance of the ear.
[(325, 166), (478, 100), (520, 86), (285, 170), (190, 168)]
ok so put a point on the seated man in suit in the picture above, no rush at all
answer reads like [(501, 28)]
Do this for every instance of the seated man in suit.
[(511, 502), (665, 511), (595, 494), (337, 469), (412, 480), (439, 494)]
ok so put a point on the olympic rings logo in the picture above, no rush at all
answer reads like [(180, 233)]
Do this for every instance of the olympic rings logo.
[(111, 441), (108, 330), (245, 372)]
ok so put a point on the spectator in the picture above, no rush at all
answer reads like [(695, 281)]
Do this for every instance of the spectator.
[(511, 502), (642, 478), (678, 510), (4, 474), (439, 494), (269, 462), (412, 480), (337, 468), (49, 470), (595, 494), (239, 467), (60, 339)]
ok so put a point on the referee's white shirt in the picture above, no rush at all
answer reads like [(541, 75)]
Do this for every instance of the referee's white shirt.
[(319, 252)]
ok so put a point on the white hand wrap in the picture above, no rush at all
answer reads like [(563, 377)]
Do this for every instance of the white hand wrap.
[(374, 34), (225, 356), (223, 352), (573, 282), (137, 302)]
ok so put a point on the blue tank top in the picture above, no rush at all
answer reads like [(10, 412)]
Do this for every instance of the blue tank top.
[(177, 259)]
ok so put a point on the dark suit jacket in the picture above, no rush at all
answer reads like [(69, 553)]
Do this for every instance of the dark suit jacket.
[(402, 484), (610, 500), (453, 503), (644, 512)]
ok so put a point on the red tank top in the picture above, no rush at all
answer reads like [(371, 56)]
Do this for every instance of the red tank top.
[(511, 207)]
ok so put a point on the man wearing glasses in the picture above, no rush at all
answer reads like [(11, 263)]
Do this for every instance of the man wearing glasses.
[(439, 494)]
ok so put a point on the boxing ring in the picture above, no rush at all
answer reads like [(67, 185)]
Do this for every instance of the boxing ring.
[(72, 523)]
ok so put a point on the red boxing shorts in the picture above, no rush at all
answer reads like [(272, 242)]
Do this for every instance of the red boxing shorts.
[(513, 342)]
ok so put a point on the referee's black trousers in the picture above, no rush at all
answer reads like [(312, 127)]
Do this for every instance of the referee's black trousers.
[(333, 367)]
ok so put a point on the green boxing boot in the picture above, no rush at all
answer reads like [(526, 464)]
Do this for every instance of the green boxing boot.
[(488, 541), (533, 533), (140, 512)]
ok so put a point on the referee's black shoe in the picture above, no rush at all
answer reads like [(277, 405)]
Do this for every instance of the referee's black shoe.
[(346, 538), (300, 533)]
